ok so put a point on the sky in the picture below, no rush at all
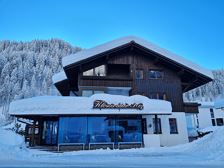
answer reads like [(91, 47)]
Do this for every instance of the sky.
[(193, 29)]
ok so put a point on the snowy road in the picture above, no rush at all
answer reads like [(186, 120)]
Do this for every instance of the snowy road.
[(115, 159), (107, 165)]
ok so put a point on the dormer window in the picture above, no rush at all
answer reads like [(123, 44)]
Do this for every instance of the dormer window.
[(97, 71)]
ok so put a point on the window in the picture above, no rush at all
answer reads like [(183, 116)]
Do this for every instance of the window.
[(98, 91), (97, 71), (213, 122), (155, 74), (129, 130), (219, 121), (212, 113), (50, 132), (100, 70), (88, 73), (160, 96), (72, 129), (144, 126), (118, 91), (88, 93), (139, 74), (100, 129), (157, 127), (173, 126)]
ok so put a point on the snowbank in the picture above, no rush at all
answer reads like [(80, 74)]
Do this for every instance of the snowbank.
[(11, 144), (210, 146), (207, 150), (10, 138), (84, 105), (209, 129)]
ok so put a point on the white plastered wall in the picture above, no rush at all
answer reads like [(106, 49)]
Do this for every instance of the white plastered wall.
[(204, 116), (167, 139)]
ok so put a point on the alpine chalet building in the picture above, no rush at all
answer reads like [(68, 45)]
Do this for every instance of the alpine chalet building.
[(126, 93)]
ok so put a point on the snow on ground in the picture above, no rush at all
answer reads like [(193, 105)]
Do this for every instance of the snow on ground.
[(205, 152), (208, 129)]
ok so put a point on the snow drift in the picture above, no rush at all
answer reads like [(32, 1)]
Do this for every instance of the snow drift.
[(11, 144), (210, 147)]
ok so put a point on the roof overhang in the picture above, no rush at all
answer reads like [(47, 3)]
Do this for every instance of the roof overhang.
[(88, 53)]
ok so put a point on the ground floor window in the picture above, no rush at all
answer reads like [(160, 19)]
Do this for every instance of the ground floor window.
[(213, 122), (157, 128), (102, 129), (50, 132), (173, 126), (72, 129), (219, 121)]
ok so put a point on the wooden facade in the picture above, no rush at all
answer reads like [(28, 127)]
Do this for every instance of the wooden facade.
[(175, 81)]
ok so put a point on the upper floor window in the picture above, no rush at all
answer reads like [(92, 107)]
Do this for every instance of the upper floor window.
[(161, 96), (97, 71), (155, 74), (88, 93), (139, 74)]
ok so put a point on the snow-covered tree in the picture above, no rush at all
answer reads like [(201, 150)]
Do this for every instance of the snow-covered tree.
[(26, 68)]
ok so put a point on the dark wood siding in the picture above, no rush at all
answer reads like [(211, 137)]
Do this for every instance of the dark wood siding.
[(170, 84)]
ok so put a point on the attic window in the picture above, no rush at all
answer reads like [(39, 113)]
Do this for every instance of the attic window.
[(97, 71), (155, 74)]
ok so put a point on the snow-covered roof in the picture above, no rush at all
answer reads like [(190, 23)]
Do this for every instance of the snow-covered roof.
[(88, 53), (206, 104), (219, 104), (61, 105), (59, 77)]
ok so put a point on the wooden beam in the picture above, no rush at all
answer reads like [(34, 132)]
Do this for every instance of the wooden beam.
[(190, 84), (156, 61), (180, 73)]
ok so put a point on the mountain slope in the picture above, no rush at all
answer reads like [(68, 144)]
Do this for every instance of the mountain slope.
[(26, 68), (210, 91)]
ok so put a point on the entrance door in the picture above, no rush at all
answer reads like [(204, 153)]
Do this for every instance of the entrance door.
[(50, 132)]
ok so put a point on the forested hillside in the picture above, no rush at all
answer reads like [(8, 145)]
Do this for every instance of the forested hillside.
[(209, 92), (26, 68)]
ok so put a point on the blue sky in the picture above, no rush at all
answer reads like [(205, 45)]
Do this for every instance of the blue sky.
[(193, 29)]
